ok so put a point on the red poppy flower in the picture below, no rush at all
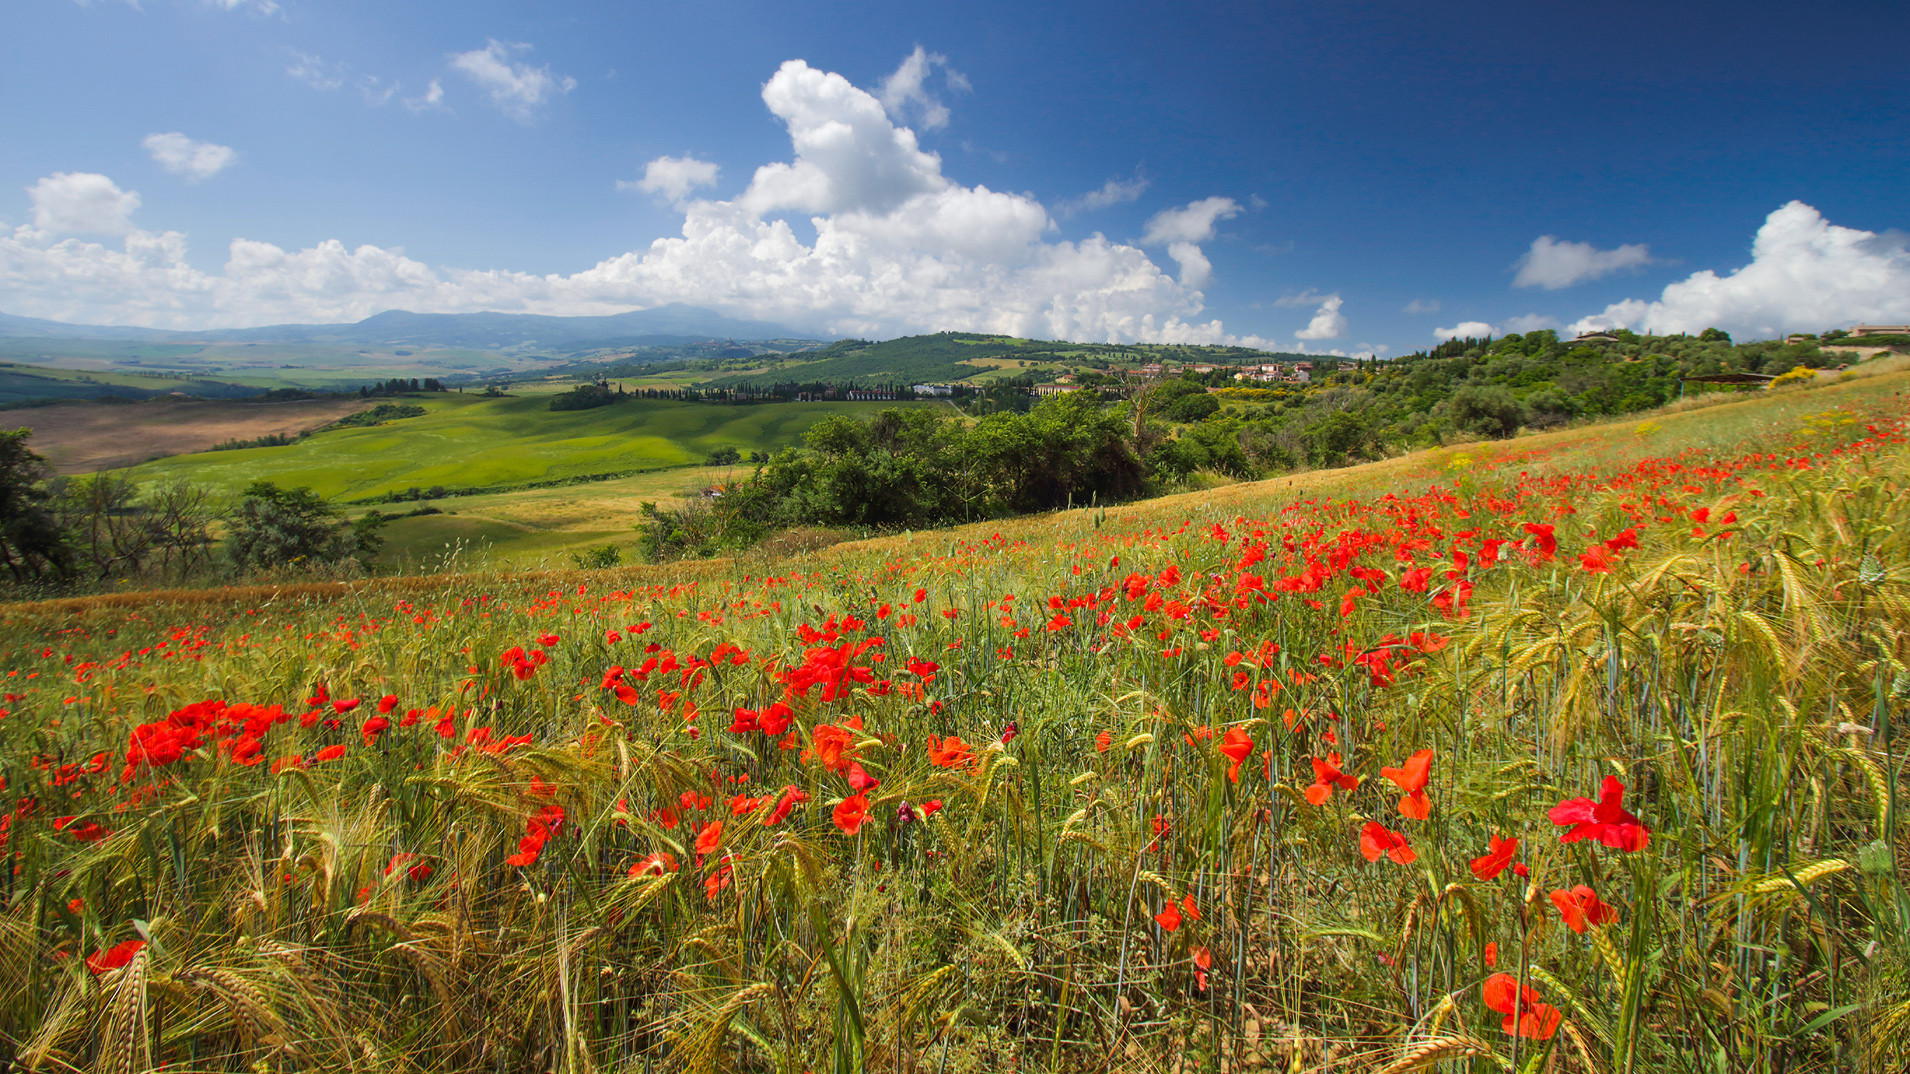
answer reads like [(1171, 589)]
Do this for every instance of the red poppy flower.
[(832, 746), (529, 847), (1411, 778), (1237, 746), (861, 781), (790, 799), (655, 865), (707, 839), (1326, 776), (950, 752), (1542, 538), (1604, 820), (1625, 539), (1493, 862), (1581, 908), (851, 814), (113, 957), (1102, 741), (718, 879), (1376, 841), (775, 719), (1169, 918), (1525, 1016)]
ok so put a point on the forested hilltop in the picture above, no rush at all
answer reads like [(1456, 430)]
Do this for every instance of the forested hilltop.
[(1355, 409), (1124, 432)]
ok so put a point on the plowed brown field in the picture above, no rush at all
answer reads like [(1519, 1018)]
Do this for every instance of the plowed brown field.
[(79, 438)]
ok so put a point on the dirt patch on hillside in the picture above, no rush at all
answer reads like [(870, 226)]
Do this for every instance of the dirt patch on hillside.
[(79, 438)]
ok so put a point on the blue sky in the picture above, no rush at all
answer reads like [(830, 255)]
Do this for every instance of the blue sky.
[(1345, 176)]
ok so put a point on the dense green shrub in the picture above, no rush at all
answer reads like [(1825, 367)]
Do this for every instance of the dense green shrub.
[(275, 527), (1486, 410)]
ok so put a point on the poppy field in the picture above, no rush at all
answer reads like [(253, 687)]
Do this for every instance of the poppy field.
[(1530, 766)]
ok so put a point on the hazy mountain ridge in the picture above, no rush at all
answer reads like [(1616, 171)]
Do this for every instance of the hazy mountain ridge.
[(484, 331)]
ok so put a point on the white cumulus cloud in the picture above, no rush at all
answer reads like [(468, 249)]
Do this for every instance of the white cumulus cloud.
[(1421, 305), (517, 89), (1552, 264), (673, 177), (898, 247), (906, 90), (1184, 229), (431, 100), (1195, 269), (1193, 222), (184, 156), (849, 156), (1111, 193), (1327, 323), (1806, 274), (1308, 297), (1531, 322), (81, 203), (1464, 330)]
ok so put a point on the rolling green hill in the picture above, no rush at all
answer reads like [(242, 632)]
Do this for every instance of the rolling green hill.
[(467, 441)]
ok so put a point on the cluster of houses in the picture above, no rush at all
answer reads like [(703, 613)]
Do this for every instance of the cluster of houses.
[(1268, 373)]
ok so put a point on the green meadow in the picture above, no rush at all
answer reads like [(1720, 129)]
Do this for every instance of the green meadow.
[(467, 441), (535, 527)]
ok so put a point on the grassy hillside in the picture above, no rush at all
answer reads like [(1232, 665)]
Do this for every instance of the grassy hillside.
[(525, 529), (466, 441), (1572, 753)]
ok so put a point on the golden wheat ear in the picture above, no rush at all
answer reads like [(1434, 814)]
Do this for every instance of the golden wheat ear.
[(126, 1045), (1430, 1053)]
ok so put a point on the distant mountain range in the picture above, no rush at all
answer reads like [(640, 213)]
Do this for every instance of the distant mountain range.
[(478, 331)]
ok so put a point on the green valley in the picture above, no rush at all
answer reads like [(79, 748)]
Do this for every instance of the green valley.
[(472, 442)]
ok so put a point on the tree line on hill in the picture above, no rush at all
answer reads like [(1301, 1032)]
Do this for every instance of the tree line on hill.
[(918, 468), (59, 533), (1361, 408), (915, 468), (599, 394), (401, 386)]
